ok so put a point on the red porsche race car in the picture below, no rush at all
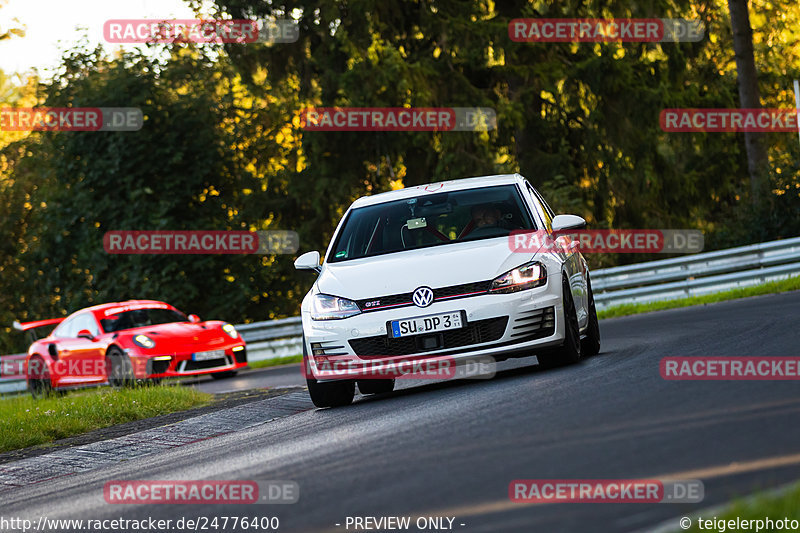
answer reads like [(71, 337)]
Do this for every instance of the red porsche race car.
[(124, 343)]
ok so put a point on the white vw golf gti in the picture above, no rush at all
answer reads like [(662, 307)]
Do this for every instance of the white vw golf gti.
[(430, 271)]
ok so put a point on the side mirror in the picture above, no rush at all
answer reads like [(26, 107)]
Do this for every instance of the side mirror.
[(194, 319), (85, 334), (308, 261), (567, 222)]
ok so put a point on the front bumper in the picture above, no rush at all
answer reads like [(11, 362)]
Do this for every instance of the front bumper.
[(177, 365), (498, 325)]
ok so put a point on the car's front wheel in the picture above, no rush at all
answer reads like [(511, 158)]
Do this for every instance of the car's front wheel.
[(590, 345), (330, 393), (119, 368), (570, 350)]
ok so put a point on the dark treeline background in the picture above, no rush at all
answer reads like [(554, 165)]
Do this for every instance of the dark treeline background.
[(222, 146)]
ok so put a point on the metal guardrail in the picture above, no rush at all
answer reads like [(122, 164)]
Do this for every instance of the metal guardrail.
[(697, 274), (272, 338), (666, 279), (12, 377)]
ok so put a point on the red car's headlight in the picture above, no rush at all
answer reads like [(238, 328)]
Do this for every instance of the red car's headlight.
[(143, 341), (230, 330)]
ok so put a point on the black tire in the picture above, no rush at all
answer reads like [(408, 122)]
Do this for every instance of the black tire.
[(591, 344), (327, 394), (332, 393), (570, 350), (40, 384), (375, 386), (224, 375), (119, 368)]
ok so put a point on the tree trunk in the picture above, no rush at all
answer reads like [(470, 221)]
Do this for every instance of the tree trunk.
[(749, 97)]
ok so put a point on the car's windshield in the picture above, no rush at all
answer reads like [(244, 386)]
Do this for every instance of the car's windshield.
[(137, 318), (431, 220)]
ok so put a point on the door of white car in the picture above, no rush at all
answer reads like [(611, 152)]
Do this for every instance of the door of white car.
[(569, 252)]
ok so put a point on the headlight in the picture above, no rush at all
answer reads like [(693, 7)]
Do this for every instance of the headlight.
[(144, 341), (324, 307), (521, 278), (230, 330)]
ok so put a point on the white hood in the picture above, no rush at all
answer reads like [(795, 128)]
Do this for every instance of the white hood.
[(438, 266)]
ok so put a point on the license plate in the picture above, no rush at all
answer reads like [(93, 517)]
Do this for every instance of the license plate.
[(207, 356), (426, 324)]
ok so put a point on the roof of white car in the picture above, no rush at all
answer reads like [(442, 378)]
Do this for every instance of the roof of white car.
[(441, 186)]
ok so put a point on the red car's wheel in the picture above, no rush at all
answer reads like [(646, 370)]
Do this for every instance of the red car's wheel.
[(39, 382), (119, 368)]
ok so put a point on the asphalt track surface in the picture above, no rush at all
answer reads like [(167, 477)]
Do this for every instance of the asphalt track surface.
[(276, 377), (451, 449)]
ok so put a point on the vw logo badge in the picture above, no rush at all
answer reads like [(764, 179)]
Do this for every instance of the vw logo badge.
[(422, 297)]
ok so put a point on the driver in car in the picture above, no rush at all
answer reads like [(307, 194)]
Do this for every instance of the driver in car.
[(485, 216)]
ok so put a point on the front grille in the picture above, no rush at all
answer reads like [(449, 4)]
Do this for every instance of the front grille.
[(441, 293), (476, 332), (465, 289), (395, 300)]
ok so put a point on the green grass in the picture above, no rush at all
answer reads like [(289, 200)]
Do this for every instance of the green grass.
[(289, 359), (776, 506), (27, 422), (791, 284)]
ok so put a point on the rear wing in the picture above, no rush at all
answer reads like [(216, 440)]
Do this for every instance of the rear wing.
[(25, 326), (31, 327)]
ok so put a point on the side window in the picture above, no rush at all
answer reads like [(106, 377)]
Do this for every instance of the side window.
[(69, 328), (65, 329), (86, 321), (543, 207)]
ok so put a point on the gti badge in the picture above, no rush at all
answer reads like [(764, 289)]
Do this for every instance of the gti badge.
[(422, 297)]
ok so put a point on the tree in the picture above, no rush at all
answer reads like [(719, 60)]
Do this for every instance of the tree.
[(186, 169), (749, 97)]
